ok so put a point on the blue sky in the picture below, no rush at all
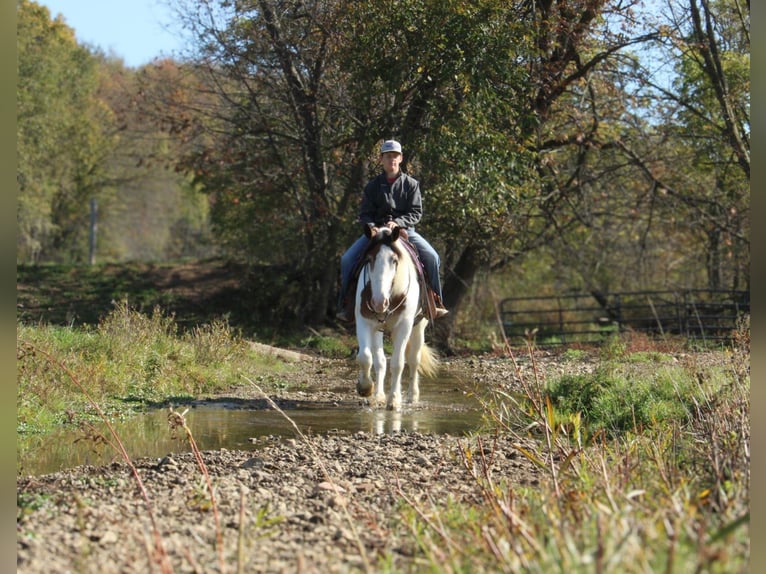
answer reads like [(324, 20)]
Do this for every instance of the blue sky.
[(135, 30)]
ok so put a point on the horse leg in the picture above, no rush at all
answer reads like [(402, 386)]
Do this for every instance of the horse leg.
[(400, 336), (364, 383), (414, 349), (364, 357), (379, 362)]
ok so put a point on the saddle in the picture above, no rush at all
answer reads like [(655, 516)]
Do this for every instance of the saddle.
[(427, 296)]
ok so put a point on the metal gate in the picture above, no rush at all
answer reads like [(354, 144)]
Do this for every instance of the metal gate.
[(704, 314)]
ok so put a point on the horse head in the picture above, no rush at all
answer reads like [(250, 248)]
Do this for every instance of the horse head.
[(385, 272)]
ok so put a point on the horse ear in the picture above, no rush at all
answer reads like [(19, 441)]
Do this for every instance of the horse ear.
[(367, 231), (395, 233)]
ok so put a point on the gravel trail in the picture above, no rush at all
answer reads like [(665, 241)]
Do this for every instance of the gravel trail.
[(330, 503)]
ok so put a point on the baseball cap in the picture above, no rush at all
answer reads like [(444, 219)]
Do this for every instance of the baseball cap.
[(391, 145)]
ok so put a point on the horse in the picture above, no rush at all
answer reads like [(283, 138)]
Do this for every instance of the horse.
[(389, 300)]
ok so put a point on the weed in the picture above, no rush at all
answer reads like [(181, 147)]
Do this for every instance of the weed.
[(574, 355), (27, 503), (616, 398), (129, 357), (661, 484), (648, 357), (613, 347), (114, 440)]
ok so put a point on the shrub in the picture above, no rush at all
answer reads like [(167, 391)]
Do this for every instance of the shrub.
[(616, 400)]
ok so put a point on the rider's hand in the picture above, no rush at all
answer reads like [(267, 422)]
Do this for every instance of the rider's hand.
[(391, 225)]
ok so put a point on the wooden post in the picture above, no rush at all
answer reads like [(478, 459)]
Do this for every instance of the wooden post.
[(93, 228)]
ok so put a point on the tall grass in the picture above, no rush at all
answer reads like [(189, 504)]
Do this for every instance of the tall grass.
[(646, 470), (128, 360), (134, 356), (645, 461)]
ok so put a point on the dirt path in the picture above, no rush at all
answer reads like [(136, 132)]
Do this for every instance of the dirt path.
[(326, 505)]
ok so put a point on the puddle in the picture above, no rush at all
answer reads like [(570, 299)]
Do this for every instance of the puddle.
[(446, 407)]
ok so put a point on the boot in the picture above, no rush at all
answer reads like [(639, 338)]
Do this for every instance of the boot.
[(439, 308), (345, 312)]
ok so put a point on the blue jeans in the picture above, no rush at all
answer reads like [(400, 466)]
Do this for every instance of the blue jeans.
[(428, 256)]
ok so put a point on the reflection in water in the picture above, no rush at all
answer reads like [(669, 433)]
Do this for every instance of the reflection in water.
[(444, 409), (380, 418)]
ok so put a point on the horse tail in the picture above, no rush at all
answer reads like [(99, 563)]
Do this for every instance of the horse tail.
[(429, 361)]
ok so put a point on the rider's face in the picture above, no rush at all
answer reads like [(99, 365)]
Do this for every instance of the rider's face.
[(391, 161)]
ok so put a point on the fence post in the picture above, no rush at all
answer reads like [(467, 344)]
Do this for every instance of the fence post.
[(618, 311), (93, 228)]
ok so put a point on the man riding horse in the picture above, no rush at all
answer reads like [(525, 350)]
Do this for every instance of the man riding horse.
[(392, 199)]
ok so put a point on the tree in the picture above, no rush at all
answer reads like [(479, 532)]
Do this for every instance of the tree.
[(703, 116), (489, 99), (657, 195), (282, 151), (308, 88), (446, 80), (87, 130), (517, 118), (155, 212), (62, 137)]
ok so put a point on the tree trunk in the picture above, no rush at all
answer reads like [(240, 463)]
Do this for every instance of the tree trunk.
[(456, 286)]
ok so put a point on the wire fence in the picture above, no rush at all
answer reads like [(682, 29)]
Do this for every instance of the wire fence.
[(706, 315)]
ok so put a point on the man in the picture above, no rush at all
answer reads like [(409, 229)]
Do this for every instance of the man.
[(391, 199)]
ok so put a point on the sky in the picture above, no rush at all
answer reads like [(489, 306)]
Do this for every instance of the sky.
[(135, 30)]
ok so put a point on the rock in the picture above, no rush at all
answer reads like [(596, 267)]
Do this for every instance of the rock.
[(300, 504)]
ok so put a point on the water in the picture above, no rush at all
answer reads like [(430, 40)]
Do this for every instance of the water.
[(446, 407)]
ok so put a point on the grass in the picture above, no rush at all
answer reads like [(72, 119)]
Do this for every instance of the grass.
[(128, 361), (647, 469), (645, 460), (617, 399)]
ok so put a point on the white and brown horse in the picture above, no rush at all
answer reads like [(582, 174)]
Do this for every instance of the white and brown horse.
[(388, 300)]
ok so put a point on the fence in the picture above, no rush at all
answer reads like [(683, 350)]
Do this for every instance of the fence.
[(704, 314)]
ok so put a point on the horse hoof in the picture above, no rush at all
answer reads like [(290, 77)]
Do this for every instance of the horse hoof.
[(364, 390)]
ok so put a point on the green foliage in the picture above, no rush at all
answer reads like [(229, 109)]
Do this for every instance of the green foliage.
[(670, 496), (62, 137), (128, 356), (87, 129), (27, 503), (649, 357), (618, 399), (520, 121), (450, 61), (329, 345), (574, 355), (613, 348)]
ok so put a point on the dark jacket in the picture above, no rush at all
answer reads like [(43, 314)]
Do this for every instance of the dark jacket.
[(400, 202)]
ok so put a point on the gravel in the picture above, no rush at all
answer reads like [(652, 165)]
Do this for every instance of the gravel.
[(300, 505), (319, 504)]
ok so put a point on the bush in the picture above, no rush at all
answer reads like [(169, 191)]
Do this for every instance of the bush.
[(615, 400)]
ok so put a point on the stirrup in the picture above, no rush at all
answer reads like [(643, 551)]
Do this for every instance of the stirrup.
[(439, 309)]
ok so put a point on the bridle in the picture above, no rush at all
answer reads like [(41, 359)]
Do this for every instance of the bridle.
[(383, 317)]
